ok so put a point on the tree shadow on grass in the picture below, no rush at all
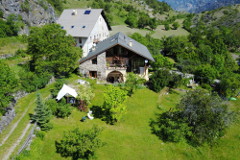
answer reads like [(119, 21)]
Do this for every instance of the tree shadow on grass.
[(97, 112)]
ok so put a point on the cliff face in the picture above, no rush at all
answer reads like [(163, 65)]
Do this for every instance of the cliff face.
[(33, 12), (196, 6)]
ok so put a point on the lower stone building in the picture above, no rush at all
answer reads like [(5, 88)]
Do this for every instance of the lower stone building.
[(112, 58)]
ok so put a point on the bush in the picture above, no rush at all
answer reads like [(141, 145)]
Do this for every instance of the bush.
[(133, 82), (63, 111), (114, 104), (79, 144), (170, 127), (59, 109), (22, 53), (30, 81), (159, 80), (40, 134)]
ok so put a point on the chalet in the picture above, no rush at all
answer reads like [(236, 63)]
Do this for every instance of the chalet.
[(113, 57), (87, 26)]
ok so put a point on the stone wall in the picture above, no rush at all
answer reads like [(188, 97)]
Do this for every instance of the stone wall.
[(100, 67), (10, 114)]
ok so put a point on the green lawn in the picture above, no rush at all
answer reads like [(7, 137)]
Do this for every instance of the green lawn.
[(132, 137)]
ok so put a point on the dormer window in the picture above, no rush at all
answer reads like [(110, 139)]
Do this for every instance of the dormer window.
[(87, 12)]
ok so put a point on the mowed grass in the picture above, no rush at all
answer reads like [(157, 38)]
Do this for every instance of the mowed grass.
[(132, 138)]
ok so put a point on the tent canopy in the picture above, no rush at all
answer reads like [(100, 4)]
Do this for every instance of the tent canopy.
[(66, 90)]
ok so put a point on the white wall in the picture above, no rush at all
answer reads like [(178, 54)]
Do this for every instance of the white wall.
[(100, 31)]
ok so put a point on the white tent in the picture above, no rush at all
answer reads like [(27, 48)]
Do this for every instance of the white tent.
[(66, 90)]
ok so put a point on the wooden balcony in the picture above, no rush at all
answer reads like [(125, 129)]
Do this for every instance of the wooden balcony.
[(116, 67)]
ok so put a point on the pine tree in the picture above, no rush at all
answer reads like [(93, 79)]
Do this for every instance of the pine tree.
[(42, 115)]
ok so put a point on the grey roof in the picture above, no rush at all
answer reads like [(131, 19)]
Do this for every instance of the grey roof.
[(79, 20), (119, 39)]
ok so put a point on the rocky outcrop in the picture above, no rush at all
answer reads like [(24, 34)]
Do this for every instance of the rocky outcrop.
[(32, 12)]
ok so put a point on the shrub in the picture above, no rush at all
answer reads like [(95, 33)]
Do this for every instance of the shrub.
[(79, 144), (30, 81), (22, 53), (170, 127), (159, 80), (40, 134), (8, 84), (114, 107), (132, 83), (63, 111), (59, 109)]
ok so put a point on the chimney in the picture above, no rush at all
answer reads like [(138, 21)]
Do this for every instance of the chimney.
[(130, 43), (74, 12)]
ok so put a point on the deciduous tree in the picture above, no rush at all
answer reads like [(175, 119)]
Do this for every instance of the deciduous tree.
[(79, 144), (52, 50)]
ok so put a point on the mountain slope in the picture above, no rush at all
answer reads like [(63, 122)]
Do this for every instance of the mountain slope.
[(196, 6), (225, 16)]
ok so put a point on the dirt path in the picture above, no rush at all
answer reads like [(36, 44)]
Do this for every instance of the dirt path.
[(13, 147)]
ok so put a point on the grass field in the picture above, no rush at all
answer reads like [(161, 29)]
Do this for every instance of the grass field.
[(158, 33), (10, 45), (132, 138)]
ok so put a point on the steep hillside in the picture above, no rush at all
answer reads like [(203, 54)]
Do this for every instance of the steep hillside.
[(225, 16), (31, 12), (197, 6)]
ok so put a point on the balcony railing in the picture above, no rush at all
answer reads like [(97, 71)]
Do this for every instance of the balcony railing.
[(116, 66)]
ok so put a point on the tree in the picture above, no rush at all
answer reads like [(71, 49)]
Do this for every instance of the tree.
[(59, 109), (206, 74), (176, 25), (114, 107), (52, 51), (85, 95), (159, 80), (8, 84), (229, 84), (161, 62), (133, 82), (170, 126), (132, 20), (42, 115), (206, 114), (79, 144), (166, 26)]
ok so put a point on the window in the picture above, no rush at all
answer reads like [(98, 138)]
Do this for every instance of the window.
[(94, 60), (72, 26), (93, 74), (87, 12), (62, 27), (83, 26), (80, 40)]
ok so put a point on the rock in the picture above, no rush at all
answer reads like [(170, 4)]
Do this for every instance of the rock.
[(33, 12)]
